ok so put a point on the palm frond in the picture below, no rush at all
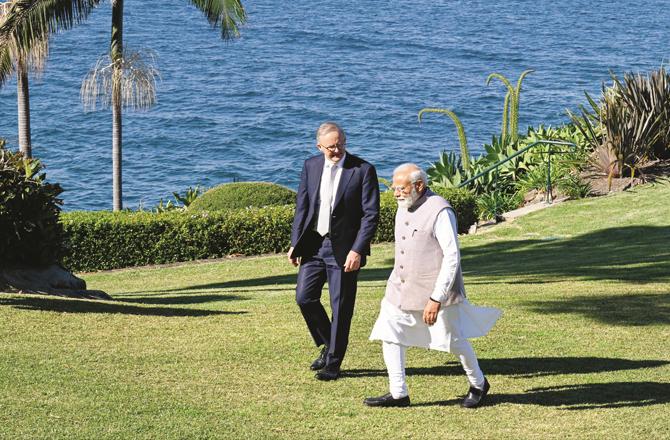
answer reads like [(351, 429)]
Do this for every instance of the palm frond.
[(135, 75), (229, 15), (6, 65), (30, 21)]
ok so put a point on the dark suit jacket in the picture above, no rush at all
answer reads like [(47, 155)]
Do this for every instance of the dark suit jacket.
[(355, 212)]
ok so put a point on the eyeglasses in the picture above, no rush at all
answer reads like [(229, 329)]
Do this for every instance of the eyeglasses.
[(403, 189), (333, 147)]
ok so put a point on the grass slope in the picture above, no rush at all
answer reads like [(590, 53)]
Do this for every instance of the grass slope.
[(220, 350)]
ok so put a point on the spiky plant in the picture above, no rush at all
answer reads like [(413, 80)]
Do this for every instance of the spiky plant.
[(509, 96), (510, 124), (514, 123), (463, 142), (630, 124)]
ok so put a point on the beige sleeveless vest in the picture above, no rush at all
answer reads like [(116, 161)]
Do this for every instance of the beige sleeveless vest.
[(418, 256)]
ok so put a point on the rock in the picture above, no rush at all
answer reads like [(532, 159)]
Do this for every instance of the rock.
[(530, 196), (51, 280)]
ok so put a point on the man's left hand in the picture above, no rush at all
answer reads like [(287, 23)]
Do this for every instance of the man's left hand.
[(353, 262), (430, 312)]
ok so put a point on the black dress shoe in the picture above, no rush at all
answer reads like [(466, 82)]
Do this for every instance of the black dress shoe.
[(476, 396), (387, 401), (320, 362), (328, 374)]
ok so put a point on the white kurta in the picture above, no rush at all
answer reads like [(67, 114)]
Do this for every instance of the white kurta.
[(457, 321)]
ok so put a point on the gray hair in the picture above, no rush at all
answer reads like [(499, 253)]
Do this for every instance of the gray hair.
[(416, 173), (328, 127)]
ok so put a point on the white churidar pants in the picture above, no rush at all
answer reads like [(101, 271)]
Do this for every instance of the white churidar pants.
[(399, 329)]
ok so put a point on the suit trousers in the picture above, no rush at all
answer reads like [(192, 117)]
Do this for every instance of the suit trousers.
[(313, 273)]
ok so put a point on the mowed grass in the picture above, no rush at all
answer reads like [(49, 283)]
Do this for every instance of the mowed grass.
[(220, 350)]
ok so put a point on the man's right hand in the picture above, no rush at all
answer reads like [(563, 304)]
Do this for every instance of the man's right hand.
[(293, 261)]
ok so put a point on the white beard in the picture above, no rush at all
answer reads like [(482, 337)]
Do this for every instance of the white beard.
[(410, 200)]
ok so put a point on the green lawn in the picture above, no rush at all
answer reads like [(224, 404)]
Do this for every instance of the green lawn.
[(219, 349)]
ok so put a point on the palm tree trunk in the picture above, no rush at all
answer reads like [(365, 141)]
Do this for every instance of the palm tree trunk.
[(116, 54), (23, 105), (117, 143)]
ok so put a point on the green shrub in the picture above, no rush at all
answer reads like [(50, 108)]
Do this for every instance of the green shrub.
[(465, 205), (243, 195), (29, 208), (109, 240), (102, 240), (492, 205), (463, 202)]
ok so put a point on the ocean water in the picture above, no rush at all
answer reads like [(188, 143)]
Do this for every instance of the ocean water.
[(248, 109)]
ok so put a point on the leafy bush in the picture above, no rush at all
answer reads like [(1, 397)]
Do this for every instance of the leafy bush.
[(29, 207), (492, 205), (109, 240), (243, 195)]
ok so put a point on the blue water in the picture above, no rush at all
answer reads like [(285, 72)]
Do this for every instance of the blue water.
[(247, 110)]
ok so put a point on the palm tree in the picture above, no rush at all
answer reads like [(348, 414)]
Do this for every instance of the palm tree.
[(127, 78), (32, 20), (21, 61)]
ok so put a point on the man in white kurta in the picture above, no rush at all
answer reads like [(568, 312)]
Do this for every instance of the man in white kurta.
[(424, 304)]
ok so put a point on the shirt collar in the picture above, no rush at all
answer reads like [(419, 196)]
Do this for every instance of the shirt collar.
[(338, 164)]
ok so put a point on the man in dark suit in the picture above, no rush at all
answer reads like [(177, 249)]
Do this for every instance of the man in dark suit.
[(336, 216)]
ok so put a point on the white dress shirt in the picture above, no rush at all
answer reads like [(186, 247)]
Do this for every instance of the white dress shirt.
[(446, 232), (328, 168)]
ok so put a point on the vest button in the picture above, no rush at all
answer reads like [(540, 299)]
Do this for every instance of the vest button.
[(406, 223), (402, 267), (403, 238), (402, 252), (402, 281)]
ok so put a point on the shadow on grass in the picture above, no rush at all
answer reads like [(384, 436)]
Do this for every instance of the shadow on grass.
[(581, 396), (630, 310), (82, 306), (182, 299), (379, 274), (525, 367), (606, 254)]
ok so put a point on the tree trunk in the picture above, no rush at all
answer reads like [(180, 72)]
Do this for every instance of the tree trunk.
[(117, 142), (23, 105), (116, 54)]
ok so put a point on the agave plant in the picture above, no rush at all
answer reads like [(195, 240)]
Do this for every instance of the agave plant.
[(510, 123), (465, 154), (189, 196), (447, 172)]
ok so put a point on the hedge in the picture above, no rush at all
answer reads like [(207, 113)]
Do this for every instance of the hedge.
[(243, 195), (109, 240), (105, 240)]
